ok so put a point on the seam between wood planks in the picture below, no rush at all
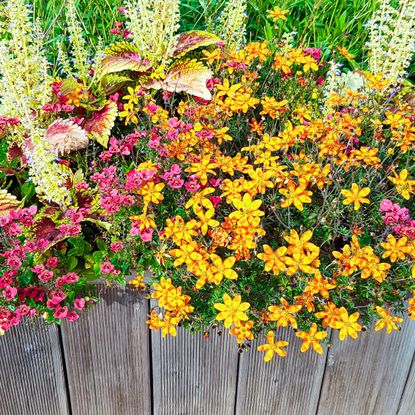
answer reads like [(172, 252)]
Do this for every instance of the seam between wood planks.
[(65, 372), (324, 374)]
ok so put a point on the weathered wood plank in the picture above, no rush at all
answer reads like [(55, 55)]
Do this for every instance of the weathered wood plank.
[(367, 376), (407, 403), (108, 356), (31, 372), (193, 374), (288, 385)]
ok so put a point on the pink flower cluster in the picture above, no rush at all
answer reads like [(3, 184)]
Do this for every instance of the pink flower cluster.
[(121, 147), (173, 177), (398, 217), (45, 288)]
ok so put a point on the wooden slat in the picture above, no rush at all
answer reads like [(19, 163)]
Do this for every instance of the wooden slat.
[(108, 356), (367, 376), (193, 374), (288, 385), (407, 403), (31, 371)]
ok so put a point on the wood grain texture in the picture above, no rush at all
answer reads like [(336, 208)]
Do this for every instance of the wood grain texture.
[(367, 376), (31, 371), (407, 403), (288, 385), (193, 374), (107, 356)]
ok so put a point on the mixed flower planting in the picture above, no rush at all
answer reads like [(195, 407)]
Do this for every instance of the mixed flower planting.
[(259, 184)]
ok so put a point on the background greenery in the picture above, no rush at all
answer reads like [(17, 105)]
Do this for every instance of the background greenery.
[(320, 23)]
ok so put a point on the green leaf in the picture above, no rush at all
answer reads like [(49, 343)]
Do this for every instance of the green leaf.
[(71, 263), (113, 83), (27, 190), (107, 226)]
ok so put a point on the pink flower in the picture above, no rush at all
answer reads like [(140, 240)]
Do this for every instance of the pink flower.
[(107, 268), (57, 297), (52, 262), (146, 234), (176, 182), (10, 293), (60, 312), (45, 275), (79, 303), (116, 246), (23, 310), (72, 316)]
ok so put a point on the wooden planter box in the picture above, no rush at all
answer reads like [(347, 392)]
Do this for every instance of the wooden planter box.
[(108, 363)]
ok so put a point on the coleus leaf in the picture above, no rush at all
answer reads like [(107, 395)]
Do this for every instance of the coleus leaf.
[(65, 136), (123, 56), (100, 125), (186, 76), (192, 40), (112, 83), (8, 202), (68, 86)]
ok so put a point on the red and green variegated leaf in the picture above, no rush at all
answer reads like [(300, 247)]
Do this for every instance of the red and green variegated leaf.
[(100, 125), (68, 86), (123, 57), (113, 83), (186, 76), (8, 202), (65, 136), (192, 40)]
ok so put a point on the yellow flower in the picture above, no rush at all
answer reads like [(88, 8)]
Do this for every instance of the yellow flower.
[(135, 93), (395, 248), (168, 325), (330, 314), (138, 282), (347, 325), (129, 113), (296, 196), (151, 192), (226, 89), (247, 209), (301, 244), (180, 230), (312, 338), (202, 168), (223, 268), (319, 285), (273, 347), (243, 332), (387, 320), (276, 13), (284, 314), (356, 196), (232, 311), (300, 262), (308, 63), (274, 260), (212, 56), (205, 220), (186, 254), (411, 308), (343, 51), (403, 185)]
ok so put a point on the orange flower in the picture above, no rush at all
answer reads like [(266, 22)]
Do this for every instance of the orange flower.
[(312, 338), (232, 311), (284, 314), (273, 347), (356, 196)]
